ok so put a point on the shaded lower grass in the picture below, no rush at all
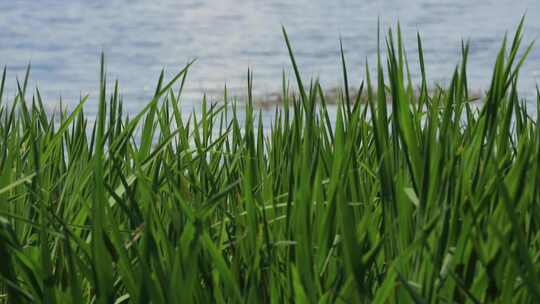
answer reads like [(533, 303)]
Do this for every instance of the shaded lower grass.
[(425, 199)]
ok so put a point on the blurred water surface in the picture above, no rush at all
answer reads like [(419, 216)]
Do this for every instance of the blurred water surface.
[(63, 39)]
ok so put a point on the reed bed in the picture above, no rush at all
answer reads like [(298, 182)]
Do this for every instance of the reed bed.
[(425, 199)]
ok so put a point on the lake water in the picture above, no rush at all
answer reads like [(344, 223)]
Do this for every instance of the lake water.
[(63, 40)]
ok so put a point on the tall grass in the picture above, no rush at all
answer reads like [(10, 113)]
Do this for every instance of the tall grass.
[(427, 199)]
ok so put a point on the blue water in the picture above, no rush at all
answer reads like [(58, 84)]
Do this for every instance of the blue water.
[(63, 39)]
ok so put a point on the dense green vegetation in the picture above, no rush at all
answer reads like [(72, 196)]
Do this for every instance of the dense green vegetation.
[(426, 199)]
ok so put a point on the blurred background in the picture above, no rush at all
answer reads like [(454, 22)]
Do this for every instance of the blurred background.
[(63, 40)]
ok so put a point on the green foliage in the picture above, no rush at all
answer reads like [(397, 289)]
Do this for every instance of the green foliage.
[(429, 198)]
